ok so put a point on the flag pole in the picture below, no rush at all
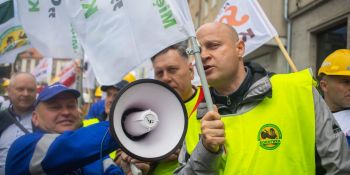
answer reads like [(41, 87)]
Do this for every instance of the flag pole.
[(199, 65), (285, 53), (79, 82)]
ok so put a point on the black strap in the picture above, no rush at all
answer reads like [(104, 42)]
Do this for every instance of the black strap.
[(5, 121), (12, 116)]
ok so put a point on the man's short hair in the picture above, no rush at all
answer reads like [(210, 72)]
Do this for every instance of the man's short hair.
[(15, 75), (179, 47)]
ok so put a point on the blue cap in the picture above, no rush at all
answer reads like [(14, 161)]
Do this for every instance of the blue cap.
[(51, 91), (120, 85)]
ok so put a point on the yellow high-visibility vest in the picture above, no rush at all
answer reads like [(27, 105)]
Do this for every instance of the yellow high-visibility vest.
[(275, 137)]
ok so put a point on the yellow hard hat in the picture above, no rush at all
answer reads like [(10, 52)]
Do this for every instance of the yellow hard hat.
[(98, 92), (130, 77), (6, 83), (337, 63), (54, 80)]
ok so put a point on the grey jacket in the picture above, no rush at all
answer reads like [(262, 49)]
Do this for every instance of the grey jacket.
[(332, 149)]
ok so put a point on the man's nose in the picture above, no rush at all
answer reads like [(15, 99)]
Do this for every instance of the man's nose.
[(65, 110), (26, 92), (205, 55), (166, 77)]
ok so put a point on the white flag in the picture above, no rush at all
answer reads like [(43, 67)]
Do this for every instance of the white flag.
[(88, 76), (43, 70), (13, 40), (49, 29), (250, 21), (118, 35)]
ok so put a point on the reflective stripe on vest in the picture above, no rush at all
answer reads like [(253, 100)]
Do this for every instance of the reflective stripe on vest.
[(167, 168), (278, 135), (89, 122), (40, 152)]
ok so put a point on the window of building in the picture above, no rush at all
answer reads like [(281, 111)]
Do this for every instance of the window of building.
[(330, 40), (196, 20), (213, 3), (206, 8)]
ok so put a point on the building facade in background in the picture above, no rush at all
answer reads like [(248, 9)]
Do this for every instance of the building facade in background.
[(318, 28)]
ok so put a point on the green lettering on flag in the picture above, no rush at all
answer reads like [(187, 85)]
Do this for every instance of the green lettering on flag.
[(34, 6), (159, 3), (90, 8), (74, 39), (6, 11), (165, 13), (168, 19)]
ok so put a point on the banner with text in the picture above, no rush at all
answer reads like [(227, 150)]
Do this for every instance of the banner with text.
[(43, 70)]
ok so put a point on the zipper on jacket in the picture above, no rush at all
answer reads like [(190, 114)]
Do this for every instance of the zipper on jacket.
[(228, 102)]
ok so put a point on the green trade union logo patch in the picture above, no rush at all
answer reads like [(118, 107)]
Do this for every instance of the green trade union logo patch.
[(270, 136)]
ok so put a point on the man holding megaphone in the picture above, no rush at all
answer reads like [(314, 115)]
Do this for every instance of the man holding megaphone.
[(264, 123)]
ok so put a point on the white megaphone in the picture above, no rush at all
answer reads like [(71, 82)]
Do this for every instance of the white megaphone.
[(149, 120)]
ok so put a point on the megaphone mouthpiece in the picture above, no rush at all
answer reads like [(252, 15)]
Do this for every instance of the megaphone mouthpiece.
[(141, 122)]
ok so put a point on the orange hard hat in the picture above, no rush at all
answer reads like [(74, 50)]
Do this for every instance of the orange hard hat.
[(337, 63)]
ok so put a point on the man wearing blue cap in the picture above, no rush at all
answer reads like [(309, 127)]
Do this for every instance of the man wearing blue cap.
[(58, 146), (100, 110)]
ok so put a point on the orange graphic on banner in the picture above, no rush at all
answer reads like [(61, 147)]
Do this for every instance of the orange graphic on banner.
[(231, 19)]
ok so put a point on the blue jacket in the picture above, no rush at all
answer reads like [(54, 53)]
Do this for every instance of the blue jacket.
[(97, 110), (70, 152)]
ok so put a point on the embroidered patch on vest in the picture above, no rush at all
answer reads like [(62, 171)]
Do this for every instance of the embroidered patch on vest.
[(269, 136)]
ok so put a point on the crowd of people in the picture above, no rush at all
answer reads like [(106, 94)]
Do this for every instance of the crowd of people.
[(262, 122)]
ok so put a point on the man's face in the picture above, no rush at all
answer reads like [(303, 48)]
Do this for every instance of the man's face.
[(111, 94), (22, 92), (336, 90), (221, 53), (175, 71), (58, 114)]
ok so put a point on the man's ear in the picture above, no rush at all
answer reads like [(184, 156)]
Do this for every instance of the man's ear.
[(323, 85), (35, 118), (191, 69), (240, 46)]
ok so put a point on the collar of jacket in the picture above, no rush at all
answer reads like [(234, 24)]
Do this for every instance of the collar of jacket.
[(254, 88), (235, 97)]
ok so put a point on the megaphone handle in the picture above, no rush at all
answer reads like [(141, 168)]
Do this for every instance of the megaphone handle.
[(135, 170)]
